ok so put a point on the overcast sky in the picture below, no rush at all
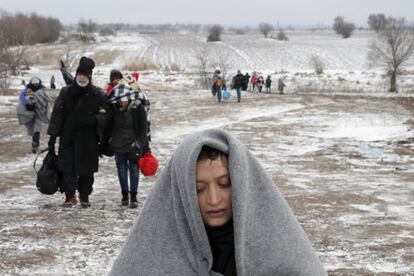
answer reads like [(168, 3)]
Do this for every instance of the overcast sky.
[(225, 12)]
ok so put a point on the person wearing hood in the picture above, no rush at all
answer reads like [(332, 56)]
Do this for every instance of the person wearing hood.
[(216, 76), (33, 109), (78, 118), (214, 211), (126, 136)]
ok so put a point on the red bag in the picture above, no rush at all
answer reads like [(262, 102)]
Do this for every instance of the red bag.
[(148, 164)]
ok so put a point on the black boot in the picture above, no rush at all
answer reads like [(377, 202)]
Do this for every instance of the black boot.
[(84, 201), (134, 202), (125, 199)]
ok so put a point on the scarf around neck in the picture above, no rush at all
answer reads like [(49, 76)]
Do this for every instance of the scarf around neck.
[(221, 240), (169, 236)]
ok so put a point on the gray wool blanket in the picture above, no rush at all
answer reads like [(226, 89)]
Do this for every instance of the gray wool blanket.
[(169, 237), (42, 111)]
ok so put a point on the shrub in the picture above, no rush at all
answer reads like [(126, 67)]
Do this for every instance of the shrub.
[(281, 35), (317, 64), (342, 27), (214, 33)]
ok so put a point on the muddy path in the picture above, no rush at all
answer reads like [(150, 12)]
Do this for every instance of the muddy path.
[(345, 164)]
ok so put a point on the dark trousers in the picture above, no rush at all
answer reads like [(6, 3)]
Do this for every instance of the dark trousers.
[(238, 91), (82, 183), (124, 165), (36, 138)]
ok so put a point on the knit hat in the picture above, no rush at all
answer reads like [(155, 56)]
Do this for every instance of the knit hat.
[(35, 83), (85, 67), (115, 74)]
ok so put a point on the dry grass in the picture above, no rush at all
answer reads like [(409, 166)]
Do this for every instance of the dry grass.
[(141, 65), (105, 57)]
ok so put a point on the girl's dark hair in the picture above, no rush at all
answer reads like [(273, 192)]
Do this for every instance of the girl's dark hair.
[(209, 153)]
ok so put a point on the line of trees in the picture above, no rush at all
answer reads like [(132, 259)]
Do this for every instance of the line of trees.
[(19, 30)]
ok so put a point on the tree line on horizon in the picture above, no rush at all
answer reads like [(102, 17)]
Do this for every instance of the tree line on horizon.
[(392, 47)]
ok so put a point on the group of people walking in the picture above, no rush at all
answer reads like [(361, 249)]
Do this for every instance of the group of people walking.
[(89, 123), (226, 215), (242, 82)]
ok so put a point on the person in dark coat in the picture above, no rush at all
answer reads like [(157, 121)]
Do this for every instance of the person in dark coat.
[(52, 83), (237, 84), (268, 84), (78, 118), (246, 82), (127, 138), (280, 86)]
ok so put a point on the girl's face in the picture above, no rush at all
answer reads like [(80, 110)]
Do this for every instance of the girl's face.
[(214, 192)]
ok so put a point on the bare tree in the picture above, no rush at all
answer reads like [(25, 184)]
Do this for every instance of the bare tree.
[(222, 61), (393, 47), (214, 33), (265, 29), (86, 29), (342, 27), (203, 58), (377, 21), (317, 64)]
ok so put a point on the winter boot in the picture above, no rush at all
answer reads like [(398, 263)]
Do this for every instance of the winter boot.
[(84, 201), (134, 202), (125, 199), (69, 201), (35, 147)]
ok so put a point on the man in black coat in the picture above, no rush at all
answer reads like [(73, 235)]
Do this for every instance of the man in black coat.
[(78, 118), (238, 81)]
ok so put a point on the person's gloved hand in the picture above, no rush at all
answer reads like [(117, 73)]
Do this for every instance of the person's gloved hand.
[(51, 143), (30, 107)]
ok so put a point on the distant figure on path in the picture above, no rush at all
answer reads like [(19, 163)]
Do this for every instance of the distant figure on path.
[(52, 82), (33, 109), (268, 84), (253, 81), (260, 83), (216, 76), (280, 86), (237, 83)]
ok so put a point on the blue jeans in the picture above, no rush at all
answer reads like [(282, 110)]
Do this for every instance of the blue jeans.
[(124, 165), (219, 94), (238, 93)]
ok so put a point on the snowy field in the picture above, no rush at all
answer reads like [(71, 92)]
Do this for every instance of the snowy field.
[(344, 161)]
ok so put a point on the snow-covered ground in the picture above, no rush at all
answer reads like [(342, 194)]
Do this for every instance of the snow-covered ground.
[(344, 161)]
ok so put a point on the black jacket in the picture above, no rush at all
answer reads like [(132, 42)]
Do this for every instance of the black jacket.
[(79, 124), (138, 124), (238, 81)]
